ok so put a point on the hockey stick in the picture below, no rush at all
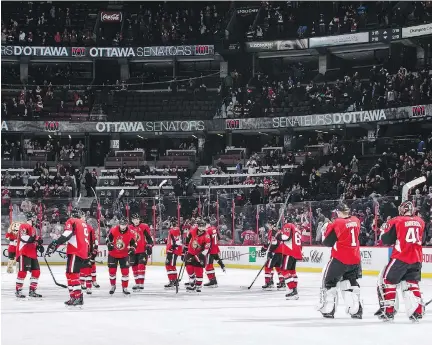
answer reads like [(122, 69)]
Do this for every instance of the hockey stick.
[(52, 275), (259, 272), (427, 303), (180, 276)]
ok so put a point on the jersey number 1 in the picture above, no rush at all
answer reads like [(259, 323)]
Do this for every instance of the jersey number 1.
[(353, 238)]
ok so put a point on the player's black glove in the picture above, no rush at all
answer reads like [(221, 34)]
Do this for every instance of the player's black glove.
[(40, 249), (110, 246), (131, 251), (39, 241), (52, 247), (31, 239), (201, 259), (149, 249), (270, 255), (263, 250)]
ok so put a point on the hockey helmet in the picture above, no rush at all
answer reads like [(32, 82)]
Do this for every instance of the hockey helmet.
[(123, 221), (76, 213), (342, 207), (135, 216), (406, 208)]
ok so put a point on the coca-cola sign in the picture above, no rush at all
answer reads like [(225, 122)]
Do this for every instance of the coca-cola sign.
[(111, 17)]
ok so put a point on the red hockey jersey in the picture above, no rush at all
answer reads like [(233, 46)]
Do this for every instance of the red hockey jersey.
[(79, 243), (214, 240), (174, 242), (27, 249), (405, 233), (249, 237), (121, 241), (198, 243), (141, 232), (344, 233), (292, 246)]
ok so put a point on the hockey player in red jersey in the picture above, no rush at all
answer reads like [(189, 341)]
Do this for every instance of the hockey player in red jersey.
[(249, 238), (290, 240), (213, 256), (406, 233), (274, 260), (12, 236), (76, 235), (144, 244), (86, 270), (174, 249), (121, 244), (28, 243), (344, 267), (196, 249)]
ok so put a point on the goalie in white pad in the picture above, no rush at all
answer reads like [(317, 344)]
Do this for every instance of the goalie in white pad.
[(405, 233), (344, 267)]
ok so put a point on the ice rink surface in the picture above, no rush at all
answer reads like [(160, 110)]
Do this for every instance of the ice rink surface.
[(226, 315)]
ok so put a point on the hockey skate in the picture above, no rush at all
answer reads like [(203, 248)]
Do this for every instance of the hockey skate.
[(69, 302), (96, 285), (212, 283), (268, 286), (171, 285), (190, 288), (83, 287), (416, 317), (112, 290), (34, 294), (292, 294), (138, 287), (18, 294), (359, 314), (385, 316), (329, 315), (281, 285), (78, 302), (89, 291), (126, 292)]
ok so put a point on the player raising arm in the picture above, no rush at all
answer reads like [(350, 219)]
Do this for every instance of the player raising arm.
[(344, 266), (76, 235), (405, 232)]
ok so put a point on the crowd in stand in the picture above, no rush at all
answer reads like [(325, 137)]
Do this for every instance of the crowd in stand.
[(297, 19), (267, 95)]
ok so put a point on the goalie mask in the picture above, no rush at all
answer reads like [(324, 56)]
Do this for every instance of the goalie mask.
[(406, 209)]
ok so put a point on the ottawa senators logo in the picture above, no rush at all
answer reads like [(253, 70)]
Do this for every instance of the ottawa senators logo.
[(119, 244), (195, 244)]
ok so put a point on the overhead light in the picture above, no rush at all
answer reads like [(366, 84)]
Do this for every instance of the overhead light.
[(300, 135), (70, 137), (220, 135), (194, 136), (49, 136), (139, 136)]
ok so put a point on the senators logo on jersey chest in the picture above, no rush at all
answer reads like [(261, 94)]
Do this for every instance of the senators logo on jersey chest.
[(119, 244), (195, 244)]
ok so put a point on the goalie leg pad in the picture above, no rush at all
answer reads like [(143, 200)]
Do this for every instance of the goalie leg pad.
[(351, 296), (412, 297), (328, 300)]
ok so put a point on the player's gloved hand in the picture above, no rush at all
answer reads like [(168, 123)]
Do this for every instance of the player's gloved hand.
[(269, 255), (94, 253), (31, 239), (263, 250), (40, 249), (51, 248), (131, 251), (182, 257), (184, 250), (110, 246), (201, 259), (39, 241), (149, 249)]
